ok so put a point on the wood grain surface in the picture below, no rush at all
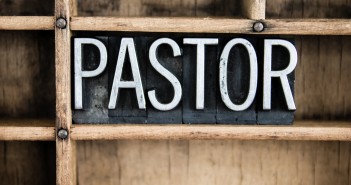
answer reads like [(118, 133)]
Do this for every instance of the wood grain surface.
[(213, 162), (26, 8), (308, 9), (159, 8), (307, 130), (27, 23), (27, 77), (254, 9), (27, 129), (213, 25), (27, 162), (65, 148)]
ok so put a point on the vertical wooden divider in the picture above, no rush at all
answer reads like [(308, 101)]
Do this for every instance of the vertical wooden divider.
[(254, 9), (65, 148)]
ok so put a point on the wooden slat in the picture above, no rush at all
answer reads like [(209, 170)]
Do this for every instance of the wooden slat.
[(254, 9), (27, 23), (140, 24), (302, 130), (308, 26), (213, 25), (29, 133), (65, 149), (27, 129)]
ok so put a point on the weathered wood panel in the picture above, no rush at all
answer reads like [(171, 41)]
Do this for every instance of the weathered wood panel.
[(27, 163), (308, 9), (322, 79), (27, 74), (159, 8), (26, 7), (213, 162)]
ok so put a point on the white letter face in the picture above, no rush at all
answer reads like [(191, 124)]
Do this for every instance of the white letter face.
[(127, 45), (165, 73), (79, 74), (200, 67), (223, 75), (282, 74)]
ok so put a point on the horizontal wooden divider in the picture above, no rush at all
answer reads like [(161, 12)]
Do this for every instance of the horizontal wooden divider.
[(169, 24), (43, 130), (301, 130), (27, 129), (183, 25), (27, 22), (308, 26), (213, 25)]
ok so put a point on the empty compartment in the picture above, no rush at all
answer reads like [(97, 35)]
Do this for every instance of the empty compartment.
[(27, 7), (212, 162), (322, 87), (27, 74), (308, 9), (156, 8), (27, 162)]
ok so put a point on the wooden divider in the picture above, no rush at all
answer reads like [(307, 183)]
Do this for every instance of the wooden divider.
[(254, 9), (301, 130), (183, 25), (209, 25), (27, 130), (27, 23), (65, 148)]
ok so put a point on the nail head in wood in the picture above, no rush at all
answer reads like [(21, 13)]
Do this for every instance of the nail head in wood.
[(61, 23), (62, 133), (258, 27)]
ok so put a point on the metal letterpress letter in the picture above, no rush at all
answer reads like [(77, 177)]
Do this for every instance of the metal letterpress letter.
[(127, 45), (223, 74), (282, 74), (200, 67), (79, 74), (165, 73)]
